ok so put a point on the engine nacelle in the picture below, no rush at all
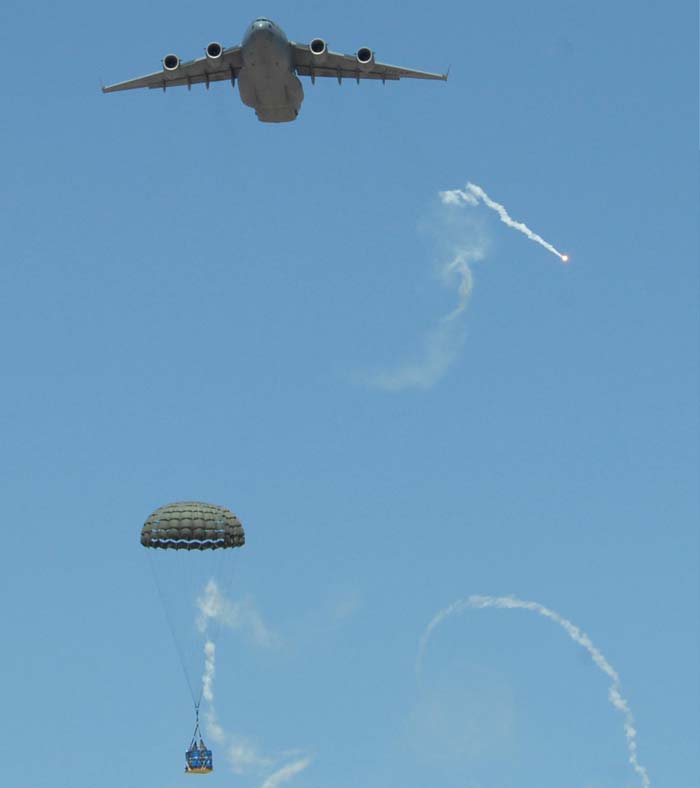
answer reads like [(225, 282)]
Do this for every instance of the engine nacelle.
[(365, 58), (171, 63), (214, 51), (319, 50)]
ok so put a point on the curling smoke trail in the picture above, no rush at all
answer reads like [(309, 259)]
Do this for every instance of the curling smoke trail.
[(474, 193), (512, 603), (442, 343)]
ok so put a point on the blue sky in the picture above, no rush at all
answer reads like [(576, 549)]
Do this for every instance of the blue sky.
[(194, 306)]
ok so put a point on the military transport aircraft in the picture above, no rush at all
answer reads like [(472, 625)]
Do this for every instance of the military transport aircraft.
[(266, 65)]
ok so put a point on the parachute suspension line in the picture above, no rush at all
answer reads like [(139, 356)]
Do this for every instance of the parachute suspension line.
[(168, 618), (197, 732)]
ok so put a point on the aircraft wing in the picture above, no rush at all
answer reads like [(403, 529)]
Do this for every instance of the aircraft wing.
[(340, 66), (203, 70)]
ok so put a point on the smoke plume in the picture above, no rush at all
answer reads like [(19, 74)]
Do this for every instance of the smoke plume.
[(462, 243), (615, 696), (214, 607), (286, 773), (209, 671), (242, 615), (462, 247)]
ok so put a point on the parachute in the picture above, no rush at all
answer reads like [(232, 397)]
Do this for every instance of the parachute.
[(192, 526), (190, 545)]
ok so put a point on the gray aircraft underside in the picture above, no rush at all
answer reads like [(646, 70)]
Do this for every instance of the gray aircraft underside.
[(266, 65)]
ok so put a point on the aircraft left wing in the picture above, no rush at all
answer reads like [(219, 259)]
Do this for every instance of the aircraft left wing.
[(333, 64), (202, 70)]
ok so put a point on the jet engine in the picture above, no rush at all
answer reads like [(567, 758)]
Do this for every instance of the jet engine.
[(214, 51), (319, 50), (365, 58), (171, 62)]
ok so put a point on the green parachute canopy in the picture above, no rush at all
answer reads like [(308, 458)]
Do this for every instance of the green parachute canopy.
[(192, 526)]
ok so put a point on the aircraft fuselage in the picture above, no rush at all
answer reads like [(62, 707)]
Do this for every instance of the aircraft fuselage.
[(267, 81)]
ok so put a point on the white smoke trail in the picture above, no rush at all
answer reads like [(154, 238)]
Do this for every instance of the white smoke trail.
[(286, 773), (209, 671), (475, 193), (214, 606), (442, 343), (241, 615), (512, 603), (244, 757), (214, 730)]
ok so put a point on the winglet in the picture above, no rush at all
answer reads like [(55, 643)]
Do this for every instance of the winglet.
[(447, 75)]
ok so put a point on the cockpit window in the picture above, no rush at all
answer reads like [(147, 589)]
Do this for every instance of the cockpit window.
[(263, 21)]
